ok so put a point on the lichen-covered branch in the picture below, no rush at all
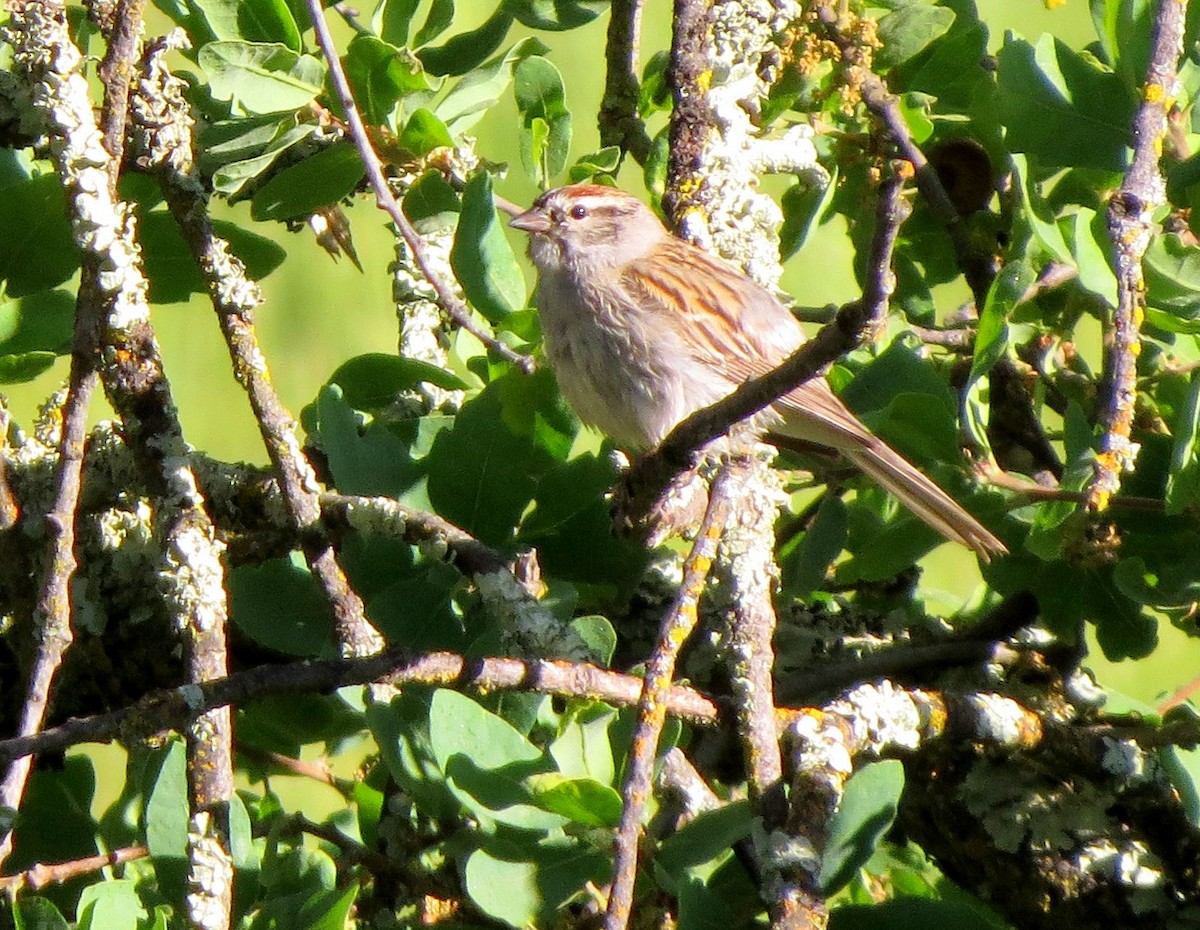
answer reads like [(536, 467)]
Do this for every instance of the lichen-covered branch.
[(51, 71), (191, 575), (166, 141), (677, 625), (1131, 226), (724, 59)]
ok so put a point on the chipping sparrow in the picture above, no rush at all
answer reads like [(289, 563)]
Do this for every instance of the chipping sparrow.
[(643, 329)]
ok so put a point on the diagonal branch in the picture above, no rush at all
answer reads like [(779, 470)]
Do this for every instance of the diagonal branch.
[(677, 625), (168, 142), (386, 200)]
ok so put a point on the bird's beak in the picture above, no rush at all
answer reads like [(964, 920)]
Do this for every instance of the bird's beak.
[(531, 221)]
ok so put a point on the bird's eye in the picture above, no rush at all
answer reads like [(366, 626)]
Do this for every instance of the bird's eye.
[(579, 211)]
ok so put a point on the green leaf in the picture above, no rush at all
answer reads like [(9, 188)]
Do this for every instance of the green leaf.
[(24, 366), (440, 18), (915, 914), (1172, 271), (1061, 108), (598, 635), (1124, 28), (380, 75), (483, 471), (423, 133), (249, 20), (418, 610), (907, 30), (477, 92), (555, 15), (463, 53), (1183, 482), (1041, 221), (373, 381), (1006, 293), (110, 905), (55, 822), (286, 724), (279, 605), (261, 78), (866, 812), (541, 101), (233, 178), (805, 566), (401, 728), (582, 801), (712, 834), (166, 813), (486, 762), (377, 458), (231, 140), (587, 167), (524, 886), (170, 268), (33, 913), (392, 19), (1090, 245), (803, 207), (327, 910), (304, 188), (582, 748), (432, 199), (39, 250), (482, 257)]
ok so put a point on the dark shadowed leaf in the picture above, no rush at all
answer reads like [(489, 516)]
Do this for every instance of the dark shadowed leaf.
[(304, 188), (866, 812)]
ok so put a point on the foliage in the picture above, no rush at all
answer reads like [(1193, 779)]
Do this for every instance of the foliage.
[(498, 810)]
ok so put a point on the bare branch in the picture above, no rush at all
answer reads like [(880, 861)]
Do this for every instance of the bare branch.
[(455, 308)]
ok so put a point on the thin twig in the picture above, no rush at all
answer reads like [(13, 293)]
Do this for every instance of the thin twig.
[(39, 876), (386, 200), (676, 626), (1131, 226)]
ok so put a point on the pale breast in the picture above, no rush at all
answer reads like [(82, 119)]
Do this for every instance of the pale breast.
[(620, 372)]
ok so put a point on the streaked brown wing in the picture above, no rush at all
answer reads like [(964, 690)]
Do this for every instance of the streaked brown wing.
[(740, 329)]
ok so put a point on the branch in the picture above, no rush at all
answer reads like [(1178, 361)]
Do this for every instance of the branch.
[(173, 709), (50, 65), (168, 145), (455, 308), (1131, 227), (619, 122), (39, 876), (677, 625)]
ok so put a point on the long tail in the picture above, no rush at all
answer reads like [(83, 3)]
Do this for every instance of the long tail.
[(924, 498)]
